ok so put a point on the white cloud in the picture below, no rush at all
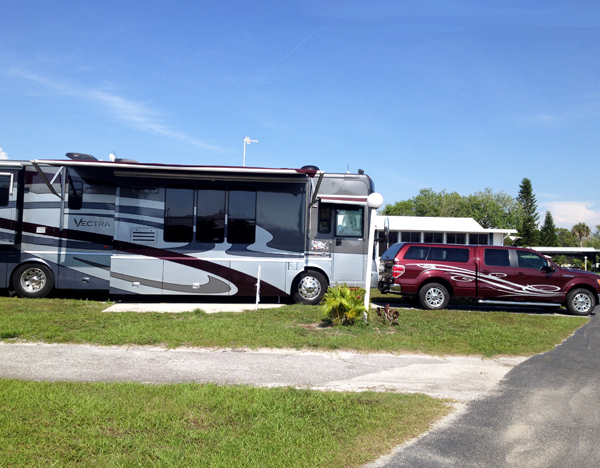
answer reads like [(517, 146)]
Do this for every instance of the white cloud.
[(135, 113), (3, 154), (567, 214)]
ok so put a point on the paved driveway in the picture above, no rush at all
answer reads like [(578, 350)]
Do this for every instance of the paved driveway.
[(545, 413)]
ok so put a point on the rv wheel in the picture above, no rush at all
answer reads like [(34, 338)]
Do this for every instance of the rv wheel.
[(309, 288), (33, 280)]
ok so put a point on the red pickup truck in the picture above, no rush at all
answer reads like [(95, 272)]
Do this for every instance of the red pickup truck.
[(430, 274)]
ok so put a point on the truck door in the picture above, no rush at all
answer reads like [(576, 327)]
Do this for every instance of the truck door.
[(496, 277), (537, 284)]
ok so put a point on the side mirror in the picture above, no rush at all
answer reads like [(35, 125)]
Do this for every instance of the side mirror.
[(386, 227), (549, 269)]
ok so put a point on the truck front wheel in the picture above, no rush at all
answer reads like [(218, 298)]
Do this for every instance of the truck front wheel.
[(433, 296), (580, 302)]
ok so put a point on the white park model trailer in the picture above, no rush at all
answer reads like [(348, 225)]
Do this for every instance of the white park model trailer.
[(133, 228)]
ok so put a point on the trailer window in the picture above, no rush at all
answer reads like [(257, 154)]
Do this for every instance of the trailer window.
[(210, 222), (179, 215), (4, 190), (241, 225), (75, 195), (280, 212)]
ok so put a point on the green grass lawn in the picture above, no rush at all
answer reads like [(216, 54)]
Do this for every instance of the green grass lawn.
[(292, 326), (132, 425), (126, 425)]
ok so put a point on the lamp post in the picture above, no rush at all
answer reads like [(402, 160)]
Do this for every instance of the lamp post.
[(247, 140), (374, 201)]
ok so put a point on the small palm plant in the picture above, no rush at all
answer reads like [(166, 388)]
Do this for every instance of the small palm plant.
[(343, 305)]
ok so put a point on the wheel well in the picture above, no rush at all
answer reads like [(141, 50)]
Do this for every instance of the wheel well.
[(587, 287), (441, 281), (309, 269)]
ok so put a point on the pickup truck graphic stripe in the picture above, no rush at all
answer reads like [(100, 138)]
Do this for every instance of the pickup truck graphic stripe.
[(494, 280)]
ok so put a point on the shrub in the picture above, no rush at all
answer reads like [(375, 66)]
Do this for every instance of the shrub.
[(343, 305)]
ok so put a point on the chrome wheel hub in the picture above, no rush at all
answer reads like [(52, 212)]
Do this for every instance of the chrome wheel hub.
[(582, 303), (33, 279), (309, 287), (434, 297)]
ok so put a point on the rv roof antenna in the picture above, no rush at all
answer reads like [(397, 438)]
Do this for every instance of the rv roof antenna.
[(112, 156), (348, 169)]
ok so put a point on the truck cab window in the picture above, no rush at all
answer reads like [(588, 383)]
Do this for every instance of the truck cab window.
[(531, 260), (496, 257)]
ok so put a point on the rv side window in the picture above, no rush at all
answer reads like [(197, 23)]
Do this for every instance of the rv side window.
[(349, 221), (4, 189), (241, 225), (75, 194), (324, 219), (210, 223), (179, 215)]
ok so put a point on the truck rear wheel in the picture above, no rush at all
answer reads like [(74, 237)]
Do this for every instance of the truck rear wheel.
[(433, 296), (33, 280), (581, 302)]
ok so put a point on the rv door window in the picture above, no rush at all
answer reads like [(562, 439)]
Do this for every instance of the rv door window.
[(349, 221), (179, 215), (210, 223)]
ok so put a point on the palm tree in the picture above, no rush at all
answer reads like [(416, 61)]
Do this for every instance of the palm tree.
[(581, 230)]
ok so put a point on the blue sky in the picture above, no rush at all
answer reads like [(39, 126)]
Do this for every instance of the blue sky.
[(457, 95)]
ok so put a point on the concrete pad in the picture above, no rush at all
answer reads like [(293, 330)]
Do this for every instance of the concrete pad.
[(461, 378), (171, 308)]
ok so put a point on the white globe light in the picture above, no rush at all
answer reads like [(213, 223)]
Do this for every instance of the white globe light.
[(375, 200)]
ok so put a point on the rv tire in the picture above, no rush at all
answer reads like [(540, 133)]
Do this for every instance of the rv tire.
[(33, 280), (309, 287)]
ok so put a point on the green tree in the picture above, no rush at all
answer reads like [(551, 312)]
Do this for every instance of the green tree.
[(593, 239), (581, 230), (401, 208), (528, 226), (491, 210), (548, 237), (566, 239)]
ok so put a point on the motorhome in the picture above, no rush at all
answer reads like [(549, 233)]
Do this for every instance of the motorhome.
[(133, 228)]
